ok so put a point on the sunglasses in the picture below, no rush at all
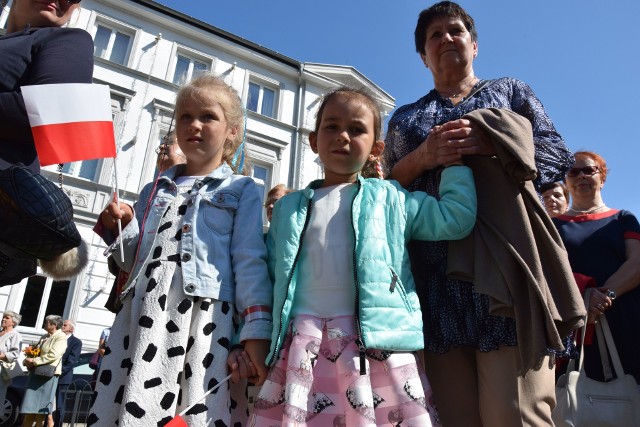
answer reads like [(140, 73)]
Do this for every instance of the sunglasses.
[(73, 1), (587, 171)]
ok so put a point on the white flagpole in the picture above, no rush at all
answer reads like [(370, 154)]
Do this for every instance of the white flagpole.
[(205, 395), (116, 199)]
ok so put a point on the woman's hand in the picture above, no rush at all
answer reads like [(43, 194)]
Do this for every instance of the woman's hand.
[(466, 138), (599, 302), (28, 362), (112, 213), (437, 151)]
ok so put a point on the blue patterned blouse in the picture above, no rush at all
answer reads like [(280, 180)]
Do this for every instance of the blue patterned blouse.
[(454, 315)]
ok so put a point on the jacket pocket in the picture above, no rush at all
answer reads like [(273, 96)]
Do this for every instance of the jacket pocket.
[(219, 210), (395, 285)]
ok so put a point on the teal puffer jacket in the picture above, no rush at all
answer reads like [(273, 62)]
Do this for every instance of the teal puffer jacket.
[(385, 218)]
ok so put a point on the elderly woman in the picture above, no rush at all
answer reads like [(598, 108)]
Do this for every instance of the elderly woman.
[(40, 395), (275, 194), (34, 51), (604, 243), (9, 348), (472, 357), (555, 197)]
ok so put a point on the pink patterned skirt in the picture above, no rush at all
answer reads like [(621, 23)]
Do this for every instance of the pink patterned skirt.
[(316, 381)]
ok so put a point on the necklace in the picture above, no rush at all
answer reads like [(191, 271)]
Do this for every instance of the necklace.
[(462, 89), (587, 211)]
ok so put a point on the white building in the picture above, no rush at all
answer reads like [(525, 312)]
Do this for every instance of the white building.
[(143, 52)]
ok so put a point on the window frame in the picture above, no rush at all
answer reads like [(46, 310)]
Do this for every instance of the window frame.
[(115, 27), (193, 56), (263, 82), (44, 300)]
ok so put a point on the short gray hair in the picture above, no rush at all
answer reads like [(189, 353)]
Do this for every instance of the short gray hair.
[(14, 316), (54, 319), (71, 322)]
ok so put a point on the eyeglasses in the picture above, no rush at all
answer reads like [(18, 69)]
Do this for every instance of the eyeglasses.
[(73, 1), (163, 149), (587, 171)]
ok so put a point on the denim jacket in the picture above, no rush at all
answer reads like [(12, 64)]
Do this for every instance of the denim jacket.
[(223, 255)]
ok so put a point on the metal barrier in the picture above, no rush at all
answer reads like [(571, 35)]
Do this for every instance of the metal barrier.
[(78, 398)]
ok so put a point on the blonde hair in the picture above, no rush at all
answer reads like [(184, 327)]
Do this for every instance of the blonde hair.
[(206, 87)]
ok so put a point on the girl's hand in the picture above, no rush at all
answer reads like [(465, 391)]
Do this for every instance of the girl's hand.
[(258, 351), (240, 365), (28, 362), (436, 151), (112, 213), (467, 137)]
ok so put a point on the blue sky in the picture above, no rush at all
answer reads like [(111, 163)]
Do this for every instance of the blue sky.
[(580, 57)]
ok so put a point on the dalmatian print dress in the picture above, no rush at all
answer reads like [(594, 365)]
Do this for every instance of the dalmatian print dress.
[(167, 348)]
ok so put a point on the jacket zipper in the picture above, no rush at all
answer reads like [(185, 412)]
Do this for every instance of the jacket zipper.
[(359, 340), (293, 268)]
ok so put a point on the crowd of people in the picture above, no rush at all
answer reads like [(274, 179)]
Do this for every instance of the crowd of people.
[(431, 277)]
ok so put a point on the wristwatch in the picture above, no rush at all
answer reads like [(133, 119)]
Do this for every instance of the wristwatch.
[(611, 294)]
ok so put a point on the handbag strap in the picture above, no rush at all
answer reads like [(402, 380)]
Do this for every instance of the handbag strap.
[(603, 323), (604, 355), (603, 326)]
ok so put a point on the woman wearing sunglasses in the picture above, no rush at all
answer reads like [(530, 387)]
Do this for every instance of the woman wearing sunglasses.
[(35, 50), (604, 244)]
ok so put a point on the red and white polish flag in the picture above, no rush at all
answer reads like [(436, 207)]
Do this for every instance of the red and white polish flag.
[(70, 121)]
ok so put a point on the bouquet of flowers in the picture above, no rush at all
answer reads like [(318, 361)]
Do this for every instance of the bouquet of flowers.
[(32, 350)]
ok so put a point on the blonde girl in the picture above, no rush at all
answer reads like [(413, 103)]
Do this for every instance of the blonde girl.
[(194, 248)]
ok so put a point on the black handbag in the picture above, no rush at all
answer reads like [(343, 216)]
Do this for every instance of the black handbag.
[(45, 370), (36, 216)]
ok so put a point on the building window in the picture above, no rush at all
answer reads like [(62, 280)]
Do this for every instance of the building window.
[(186, 68), (112, 43), (261, 99), (261, 175), (4, 14), (42, 296), (87, 169)]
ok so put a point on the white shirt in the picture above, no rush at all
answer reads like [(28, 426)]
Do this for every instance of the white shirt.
[(326, 286)]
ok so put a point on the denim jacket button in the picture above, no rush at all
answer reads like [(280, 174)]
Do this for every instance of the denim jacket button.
[(190, 202), (186, 228), (186, 257), (190, 287)]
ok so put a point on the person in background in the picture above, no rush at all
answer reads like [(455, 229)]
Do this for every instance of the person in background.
[(9, 347), (275, 194), (102, 345), (69, 361), (198, 283), (471, 355), (169, 153), (344, 239), (39, 398), (604, 244), (35, 50), (555, 197)]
